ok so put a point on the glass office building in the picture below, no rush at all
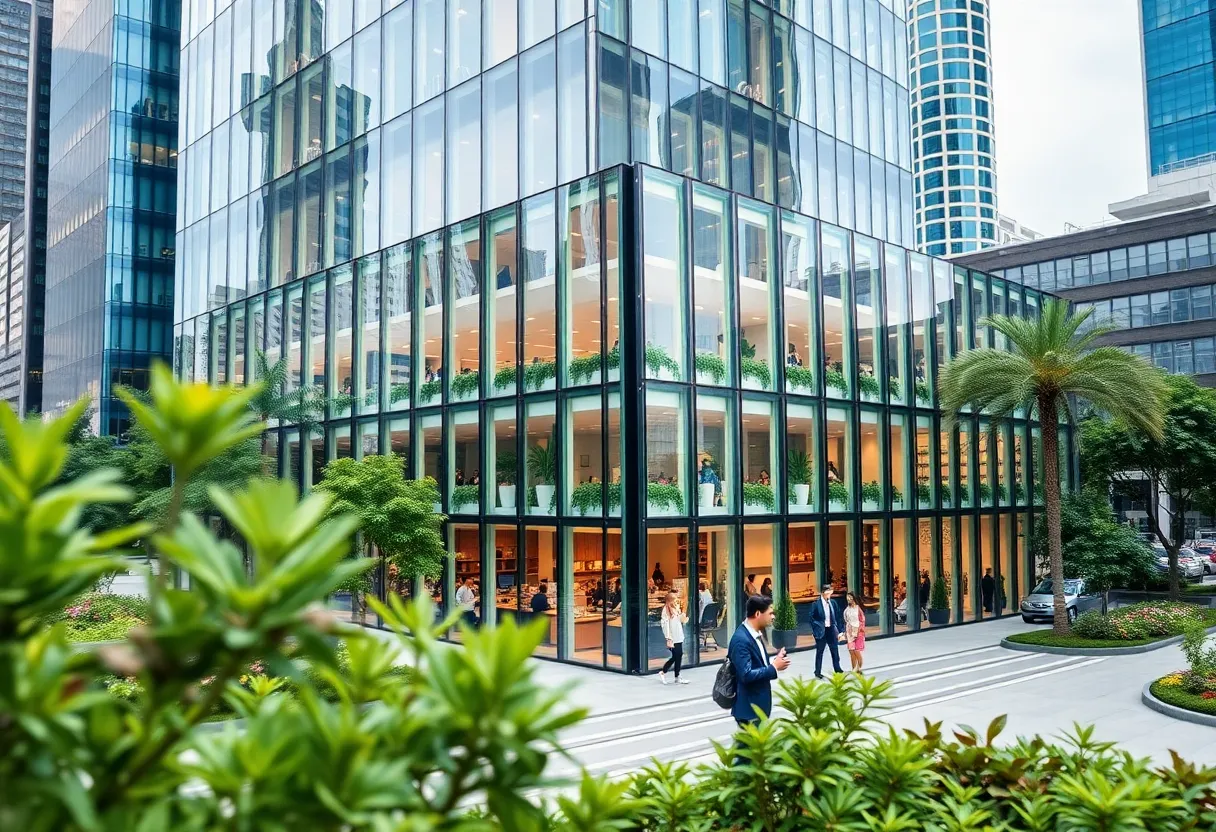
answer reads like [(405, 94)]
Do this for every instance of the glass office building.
[(953, 147), (111, 201), (1180, 82), (630, 281)]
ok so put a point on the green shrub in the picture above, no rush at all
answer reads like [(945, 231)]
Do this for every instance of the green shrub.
[(588, 496), (939, 596), (894, 388), (757, 370), (838, 492), (504, 377), (924, 493), (664, 496), (924, 393), (428, 391), (784, 615), (712, 365), (869, 385), (871, 492), (465, 384), (1144, 621), (835, 378), (466, 495), (800, 377), (985, 491), (658, 359), (398, 393), (1094, 624), (538, 373), (1199, 657), (583, 368), (757, 494)]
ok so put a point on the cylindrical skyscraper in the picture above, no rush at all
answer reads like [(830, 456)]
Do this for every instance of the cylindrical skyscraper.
[(953, 149)]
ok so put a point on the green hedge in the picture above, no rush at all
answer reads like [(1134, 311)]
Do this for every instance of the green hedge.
[(1046, 638)]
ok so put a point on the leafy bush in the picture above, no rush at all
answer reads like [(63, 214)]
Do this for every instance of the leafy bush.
[(1096, 547), (838, 492), (1094, 624), (831, 764), (800, 377), (869, 385), (1147, 620), (658, 359), (663, 497), (1199, 657), (583, 368), (466, 495), (897, 496), (871, 492), (798, 468), (539, 373), (398, 393), (465, 384), (428, 391), (924, 393), (504, 377), (542, 462), (924, 493), (894, 388), (757, 370), (985, 489), (589, 496), (757, 494), (784, 615), (835, 378), (939, 597), (712, 365)]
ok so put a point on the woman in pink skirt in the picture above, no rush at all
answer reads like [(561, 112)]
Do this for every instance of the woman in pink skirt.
[(855, 631)]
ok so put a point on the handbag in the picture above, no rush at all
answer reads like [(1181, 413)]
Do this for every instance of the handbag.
[(725, 685)]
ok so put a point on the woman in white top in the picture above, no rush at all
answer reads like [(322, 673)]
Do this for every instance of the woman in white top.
[(706, 597), (855, 631), (672, 620)]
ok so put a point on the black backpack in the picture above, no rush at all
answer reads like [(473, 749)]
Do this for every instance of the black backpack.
[(725, 685)]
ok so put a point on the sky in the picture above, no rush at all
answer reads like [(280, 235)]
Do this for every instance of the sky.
[(1068, 100)]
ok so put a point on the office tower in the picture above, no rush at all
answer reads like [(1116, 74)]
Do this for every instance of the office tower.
[(112, 201), (602, 271), (25, 88), (953, 147)]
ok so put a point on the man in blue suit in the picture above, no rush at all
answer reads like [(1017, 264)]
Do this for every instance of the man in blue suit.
[(754, 669), (827, 626)]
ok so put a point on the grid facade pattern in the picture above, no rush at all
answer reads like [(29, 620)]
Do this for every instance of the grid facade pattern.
[(1179, 37), (620, 326), (112, 201), (16, 51), (953, 144)]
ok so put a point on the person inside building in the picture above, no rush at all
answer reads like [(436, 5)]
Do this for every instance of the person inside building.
[(540, 601)]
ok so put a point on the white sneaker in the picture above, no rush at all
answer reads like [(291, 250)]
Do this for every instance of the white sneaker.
[(681, 681), (662, 678)]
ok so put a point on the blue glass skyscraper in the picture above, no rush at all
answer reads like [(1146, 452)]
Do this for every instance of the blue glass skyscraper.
[(1180, 82)]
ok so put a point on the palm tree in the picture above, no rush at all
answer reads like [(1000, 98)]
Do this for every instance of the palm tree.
[(1049, 360)]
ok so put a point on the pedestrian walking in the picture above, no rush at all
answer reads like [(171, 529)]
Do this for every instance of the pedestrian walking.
[(754, 669), (672, 620), (827, 626), (855, 631), (988, 589)]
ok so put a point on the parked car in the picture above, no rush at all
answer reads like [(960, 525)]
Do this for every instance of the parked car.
[(1197, 567), (1189, 564), (1205, 549), (1038, 605)]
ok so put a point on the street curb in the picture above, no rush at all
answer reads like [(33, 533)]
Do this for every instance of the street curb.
[(1094, 651), (1173, 711)]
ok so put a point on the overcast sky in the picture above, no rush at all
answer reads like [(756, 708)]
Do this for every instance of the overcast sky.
[(1069, 109)]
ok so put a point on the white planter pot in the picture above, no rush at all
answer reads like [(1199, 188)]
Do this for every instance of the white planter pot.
[(544, 497), (869, 505), (802, 494), (506, 496), (705, 495), (667, 511), (750, 383)]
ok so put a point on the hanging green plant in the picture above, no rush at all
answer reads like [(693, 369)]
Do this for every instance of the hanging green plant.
[(664, 496), (868, 385), (985, 491), (897, 496), (835, 378), (539, 372), (1019, 493), (758, 371), (398, 393), (838, 492), (614, 496), (924, 494), (800, 377), (504, 377), (583, 368), (614, 357), (894, 388), (923, 392), (658, 359), (709, 364), (465, 384), (465, 495), (963, 495), (341, 401), (871, 492), (429, 390), (588, 496), (758, 494), (1002, 492)]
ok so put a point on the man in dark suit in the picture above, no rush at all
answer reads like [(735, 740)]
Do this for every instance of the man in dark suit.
[(827, 626), (754, 670)]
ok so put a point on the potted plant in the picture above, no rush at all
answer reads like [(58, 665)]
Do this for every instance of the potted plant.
[(838, 493), (785, 623), (542, 465), (799, 377), (708, 491), (658, 361), (710, 367), (664, 499), (985, 491), (758, 495), (894, 388), (924, 494), (871, 496), (505, 465), (924, 393), (464, 385), (588, 496), (897, 496), (836, 383), (504, 377), (1019, 493), (798, 474), (583, 369), (756, 373), (429, 390), (939, 603), (465, 495), (868, 384), (1002, 493), (538, 374)]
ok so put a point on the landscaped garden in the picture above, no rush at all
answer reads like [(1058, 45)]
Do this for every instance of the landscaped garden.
[(99, 616), (1193, 688), (1129, 626)]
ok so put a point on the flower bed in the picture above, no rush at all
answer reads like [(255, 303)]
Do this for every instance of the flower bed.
[(102, 617), (1130, 626), (1182, 690)]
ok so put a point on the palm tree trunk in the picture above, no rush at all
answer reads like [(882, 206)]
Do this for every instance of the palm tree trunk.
[(1049, 422)]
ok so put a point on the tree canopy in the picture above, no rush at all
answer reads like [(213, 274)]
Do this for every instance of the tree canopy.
[(395, 515), (1180, 461)]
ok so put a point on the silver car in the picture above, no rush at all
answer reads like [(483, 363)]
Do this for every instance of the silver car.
[(1038, 605)]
